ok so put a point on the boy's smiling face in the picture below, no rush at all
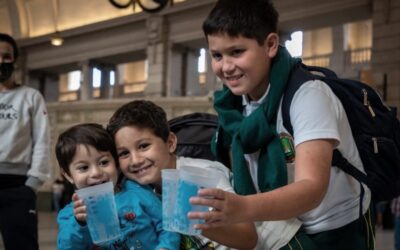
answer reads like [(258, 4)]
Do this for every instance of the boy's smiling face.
[(91, 167), (142, 155), (241, 63)]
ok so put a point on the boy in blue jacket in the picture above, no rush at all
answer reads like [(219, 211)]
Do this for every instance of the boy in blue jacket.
[(87, 156)]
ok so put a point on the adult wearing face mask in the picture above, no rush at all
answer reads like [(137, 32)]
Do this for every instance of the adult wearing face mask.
[(24, 153)]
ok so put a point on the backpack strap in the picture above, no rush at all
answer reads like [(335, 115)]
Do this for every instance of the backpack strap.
[(197, 118), (199, 122), (325, 71), (341, 162), (300, 75)]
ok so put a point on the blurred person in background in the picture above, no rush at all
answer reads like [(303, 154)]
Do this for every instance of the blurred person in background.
[(395, 206), (24, 153)]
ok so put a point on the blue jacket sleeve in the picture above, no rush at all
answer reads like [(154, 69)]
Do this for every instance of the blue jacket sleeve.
[(71, 235)]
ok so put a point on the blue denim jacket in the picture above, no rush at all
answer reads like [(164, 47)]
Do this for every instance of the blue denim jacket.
[(140, 216)]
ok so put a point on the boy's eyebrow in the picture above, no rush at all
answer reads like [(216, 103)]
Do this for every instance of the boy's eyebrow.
[(233, 47), (211, 52), (101, 155), (105, 154), (140, 140), (77, 162)]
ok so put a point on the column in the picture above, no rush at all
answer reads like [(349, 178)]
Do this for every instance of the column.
[(156, 56), (175, 85), (105, 87), (52, 88), (337, 59), (183, 73), (86, 88), (192, 75)]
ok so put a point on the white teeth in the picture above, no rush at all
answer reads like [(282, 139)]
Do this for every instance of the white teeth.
[(99, 182), (233, 78), (140, 170)]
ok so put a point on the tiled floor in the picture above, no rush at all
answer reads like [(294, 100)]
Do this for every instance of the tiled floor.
[(47, 231), (48, 234), (384, 240)]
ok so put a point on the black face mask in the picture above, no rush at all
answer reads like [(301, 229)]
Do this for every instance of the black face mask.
[(6, 70)]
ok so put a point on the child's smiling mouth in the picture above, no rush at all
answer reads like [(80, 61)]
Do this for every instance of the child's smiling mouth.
[(233, 78), (99, 182), (233, 81), (141, 170)]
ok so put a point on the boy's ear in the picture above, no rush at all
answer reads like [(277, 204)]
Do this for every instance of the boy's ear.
[(172, 142), (67, 176), (271, 44)]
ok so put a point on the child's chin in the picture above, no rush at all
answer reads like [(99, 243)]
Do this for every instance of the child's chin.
[(144, 180)]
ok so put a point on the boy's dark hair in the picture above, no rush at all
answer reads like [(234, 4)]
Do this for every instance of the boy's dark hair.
[(142, 114), (254, 19), (87, 134), (8, 39)]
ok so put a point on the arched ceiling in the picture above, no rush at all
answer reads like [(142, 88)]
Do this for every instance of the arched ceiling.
[(32, 18)]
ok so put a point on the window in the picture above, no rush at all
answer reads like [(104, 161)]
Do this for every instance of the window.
[(132, 77), (295, 45), (69, 85), (96, 83), (74, 80), (202, 61), (201, 66), (112, 77)]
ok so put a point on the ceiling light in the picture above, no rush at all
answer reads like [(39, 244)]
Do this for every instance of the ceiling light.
[(57, 40)]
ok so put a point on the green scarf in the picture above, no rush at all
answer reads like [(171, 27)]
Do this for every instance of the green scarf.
[(246, 135)]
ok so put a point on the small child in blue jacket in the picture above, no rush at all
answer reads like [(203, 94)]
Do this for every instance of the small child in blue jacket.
[(87, 156)]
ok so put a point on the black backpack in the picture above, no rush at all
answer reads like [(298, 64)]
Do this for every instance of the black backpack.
[(374, 126), (194, 132)]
